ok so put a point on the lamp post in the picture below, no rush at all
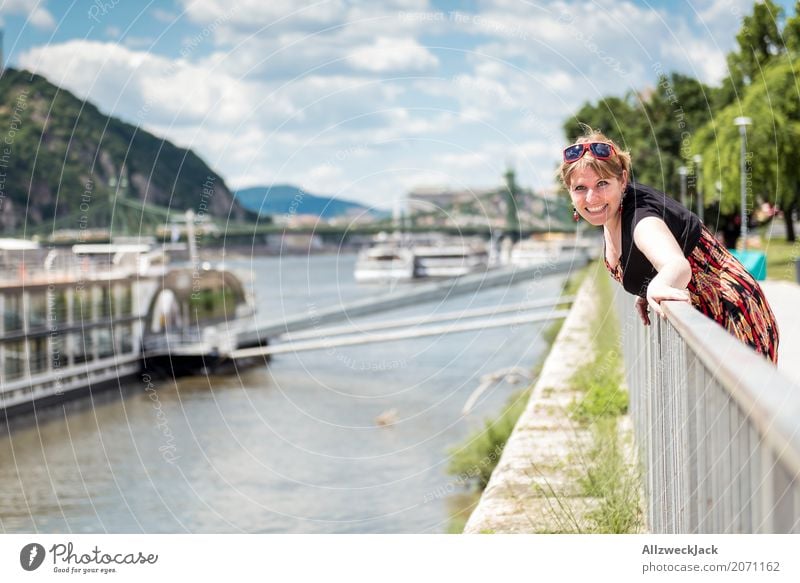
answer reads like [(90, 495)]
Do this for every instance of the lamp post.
[(742, 123), (683, 172), (698, 162)]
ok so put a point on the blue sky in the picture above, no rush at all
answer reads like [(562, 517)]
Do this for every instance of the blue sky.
[(365, 100)]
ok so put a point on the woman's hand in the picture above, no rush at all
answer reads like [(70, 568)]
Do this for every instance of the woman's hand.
[(641, 309), (658, 292)]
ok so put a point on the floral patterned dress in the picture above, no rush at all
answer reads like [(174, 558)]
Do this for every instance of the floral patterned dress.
[(722, 289)]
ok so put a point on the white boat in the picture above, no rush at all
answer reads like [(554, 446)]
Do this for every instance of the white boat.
[(405, 257), (530, 253), (384, 262), (450, 258)]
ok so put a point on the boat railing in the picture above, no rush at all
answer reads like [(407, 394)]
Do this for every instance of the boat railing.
[(17, 270)]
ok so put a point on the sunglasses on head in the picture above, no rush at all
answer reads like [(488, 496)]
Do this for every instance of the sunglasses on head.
[(600, 150)]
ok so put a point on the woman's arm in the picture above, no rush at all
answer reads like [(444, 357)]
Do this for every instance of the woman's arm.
[(656, 242)]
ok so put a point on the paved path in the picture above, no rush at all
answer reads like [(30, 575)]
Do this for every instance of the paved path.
[(784, 298)]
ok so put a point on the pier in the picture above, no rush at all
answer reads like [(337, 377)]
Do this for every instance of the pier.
[(407, 296)]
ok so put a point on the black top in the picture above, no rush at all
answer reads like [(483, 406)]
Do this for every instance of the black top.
[(642, 201)]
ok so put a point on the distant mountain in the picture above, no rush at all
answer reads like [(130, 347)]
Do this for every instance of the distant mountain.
[(282, 199), (61, 160)]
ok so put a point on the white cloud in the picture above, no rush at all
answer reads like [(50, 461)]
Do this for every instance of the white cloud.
[(256, 13), (709, 65), (613, 44), (325, 178), (34, 10), (286, 39), (137, 42), (393, 54), (464, 161), (164, 16), (41, 18), (725, 14), (139, 85)]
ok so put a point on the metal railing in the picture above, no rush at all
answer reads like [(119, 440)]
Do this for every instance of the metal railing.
[(717, 426)]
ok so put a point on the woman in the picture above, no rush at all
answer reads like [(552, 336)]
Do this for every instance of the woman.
[(658, 250)]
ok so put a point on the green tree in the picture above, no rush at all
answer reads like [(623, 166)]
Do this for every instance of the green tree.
[(791, 32), (760, 39), (773, 145)]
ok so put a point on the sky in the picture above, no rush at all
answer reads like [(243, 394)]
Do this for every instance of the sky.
[(366, 100)]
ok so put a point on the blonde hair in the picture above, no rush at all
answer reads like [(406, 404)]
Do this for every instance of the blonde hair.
[(612, 167)]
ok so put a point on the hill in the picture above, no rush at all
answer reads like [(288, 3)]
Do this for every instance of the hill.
[(285, 199), (62, 160)]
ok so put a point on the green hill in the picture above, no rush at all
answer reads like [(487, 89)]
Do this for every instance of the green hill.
[(62, 162), (282, 199)]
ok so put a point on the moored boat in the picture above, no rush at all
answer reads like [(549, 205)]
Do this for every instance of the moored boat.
[(450, 258), (384, 262), (403, 258), (82, 318)]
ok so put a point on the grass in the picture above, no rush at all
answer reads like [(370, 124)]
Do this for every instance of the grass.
[(475, 460), (781, 256), (601, 379), (613, 481), (606, 474)]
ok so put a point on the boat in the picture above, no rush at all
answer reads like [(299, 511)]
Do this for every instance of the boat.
[(544, 249), (449, 257), (530, 252), (405, 258), (384, 262), (196, 320), (81, 318)]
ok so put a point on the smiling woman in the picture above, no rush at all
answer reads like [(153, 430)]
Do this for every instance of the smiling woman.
[(659, 250)]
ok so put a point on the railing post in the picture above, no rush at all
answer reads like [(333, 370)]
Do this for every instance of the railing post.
[(766, 490), (655, 454), (704, 446), (693, 457), (754, 503), (785, 509), (683, 421)]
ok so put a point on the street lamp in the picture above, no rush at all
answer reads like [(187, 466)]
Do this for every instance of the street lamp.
[(698, 162), (683, 172), (742, 123)]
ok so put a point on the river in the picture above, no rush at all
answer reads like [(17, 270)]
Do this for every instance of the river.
[(292, 447)]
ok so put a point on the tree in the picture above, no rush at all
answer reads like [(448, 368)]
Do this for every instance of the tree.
[(791, 32), (773, 140), (760, 39)]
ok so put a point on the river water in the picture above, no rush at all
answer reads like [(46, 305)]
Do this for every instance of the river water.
[(289, 447)]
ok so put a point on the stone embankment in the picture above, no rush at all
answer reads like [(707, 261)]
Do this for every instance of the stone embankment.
[(535, 487)]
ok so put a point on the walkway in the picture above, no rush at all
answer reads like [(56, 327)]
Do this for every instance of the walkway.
[(784, 298)]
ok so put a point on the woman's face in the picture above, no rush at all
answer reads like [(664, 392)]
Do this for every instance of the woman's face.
[(597, 199)]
